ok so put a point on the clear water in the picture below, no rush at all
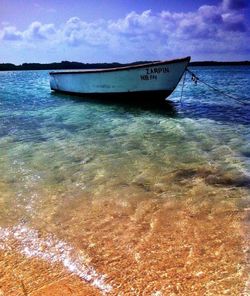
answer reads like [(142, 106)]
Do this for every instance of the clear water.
[(105, 198)]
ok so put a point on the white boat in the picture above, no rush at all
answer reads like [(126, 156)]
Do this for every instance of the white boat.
[(154, 81)]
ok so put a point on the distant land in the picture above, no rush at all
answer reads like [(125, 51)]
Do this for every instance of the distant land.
[(77, 65)]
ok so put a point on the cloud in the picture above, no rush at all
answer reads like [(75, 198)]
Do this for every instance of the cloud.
[(38, 31), (10, 33), (135, 23), (210, 14), (234, 4), (77, 32), (209, 30), (234, 22)]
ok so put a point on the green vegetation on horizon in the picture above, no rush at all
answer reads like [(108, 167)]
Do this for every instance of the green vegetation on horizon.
[(78, 65)]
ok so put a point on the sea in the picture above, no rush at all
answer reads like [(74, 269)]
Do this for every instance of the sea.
[(111, 198)]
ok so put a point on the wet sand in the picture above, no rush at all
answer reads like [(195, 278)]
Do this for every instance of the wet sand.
[(186, 234)]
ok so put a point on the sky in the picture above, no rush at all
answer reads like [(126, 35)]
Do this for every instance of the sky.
[(91, 31)]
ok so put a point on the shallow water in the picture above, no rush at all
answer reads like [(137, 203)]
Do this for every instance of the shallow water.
[(104, 198)]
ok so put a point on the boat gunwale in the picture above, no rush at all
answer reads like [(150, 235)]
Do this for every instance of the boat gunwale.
[(124, 68)]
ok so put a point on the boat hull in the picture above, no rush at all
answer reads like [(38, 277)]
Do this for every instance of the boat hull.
[(154, 80)]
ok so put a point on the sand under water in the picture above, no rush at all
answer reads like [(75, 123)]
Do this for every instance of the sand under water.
[(103, 199), (138, 239)]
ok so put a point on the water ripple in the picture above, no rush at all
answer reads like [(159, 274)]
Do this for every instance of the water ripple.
[(29, 243)]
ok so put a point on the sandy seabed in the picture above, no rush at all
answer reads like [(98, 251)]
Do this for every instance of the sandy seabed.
[(183, 235)]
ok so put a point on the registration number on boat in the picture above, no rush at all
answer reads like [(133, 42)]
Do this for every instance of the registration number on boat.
[(152, 73)]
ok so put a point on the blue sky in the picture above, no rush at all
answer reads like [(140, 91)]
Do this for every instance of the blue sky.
[(124, 31)]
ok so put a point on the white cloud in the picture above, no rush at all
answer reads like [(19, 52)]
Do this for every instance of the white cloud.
[(10, 33), (135, 23), (38, 31), (77, 32)]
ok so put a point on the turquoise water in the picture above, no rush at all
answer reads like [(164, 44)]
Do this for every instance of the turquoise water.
[(57, 139), (55, 148)]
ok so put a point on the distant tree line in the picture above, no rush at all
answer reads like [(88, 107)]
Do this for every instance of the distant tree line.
[(76, 65), (214, 63), (63, 65)]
